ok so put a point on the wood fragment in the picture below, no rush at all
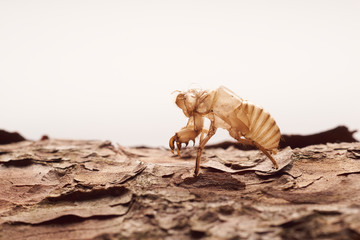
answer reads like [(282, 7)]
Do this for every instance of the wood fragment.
[(10, 137)]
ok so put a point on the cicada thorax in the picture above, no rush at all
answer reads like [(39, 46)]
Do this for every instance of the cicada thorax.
[(262, 127)]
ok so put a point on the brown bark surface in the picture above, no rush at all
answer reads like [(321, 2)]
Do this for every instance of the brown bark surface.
[(63, 189)]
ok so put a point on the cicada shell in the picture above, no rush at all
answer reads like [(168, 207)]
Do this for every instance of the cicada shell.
[(245, 121)]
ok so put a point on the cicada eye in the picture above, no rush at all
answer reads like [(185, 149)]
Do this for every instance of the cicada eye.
[(180, 101)]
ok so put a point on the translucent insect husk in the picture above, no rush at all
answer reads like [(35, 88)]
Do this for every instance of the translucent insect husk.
[(245, 121)]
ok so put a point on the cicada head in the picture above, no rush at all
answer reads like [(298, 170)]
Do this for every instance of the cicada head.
[(194, 100), (187, 102)]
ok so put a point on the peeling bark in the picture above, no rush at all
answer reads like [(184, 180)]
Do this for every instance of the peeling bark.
[(62, 189)]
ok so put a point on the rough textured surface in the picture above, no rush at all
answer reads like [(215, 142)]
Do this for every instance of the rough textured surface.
[(59, 189)]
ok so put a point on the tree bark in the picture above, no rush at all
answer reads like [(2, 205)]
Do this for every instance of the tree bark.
[(63, 189)]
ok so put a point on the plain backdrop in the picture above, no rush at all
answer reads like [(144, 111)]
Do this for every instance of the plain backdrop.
[(106, 69)]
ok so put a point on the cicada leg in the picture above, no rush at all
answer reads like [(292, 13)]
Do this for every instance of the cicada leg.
[(253, 143), (203, 141)]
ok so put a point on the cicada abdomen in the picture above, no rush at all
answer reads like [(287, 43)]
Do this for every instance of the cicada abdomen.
[(262, 126)]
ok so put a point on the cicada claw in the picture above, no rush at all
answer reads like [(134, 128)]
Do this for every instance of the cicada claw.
[(178, 144), (173, 140), (171, 144)]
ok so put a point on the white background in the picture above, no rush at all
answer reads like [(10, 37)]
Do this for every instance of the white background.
[(106, 69)]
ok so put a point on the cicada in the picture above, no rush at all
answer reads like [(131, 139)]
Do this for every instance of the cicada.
[(246, 122)]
